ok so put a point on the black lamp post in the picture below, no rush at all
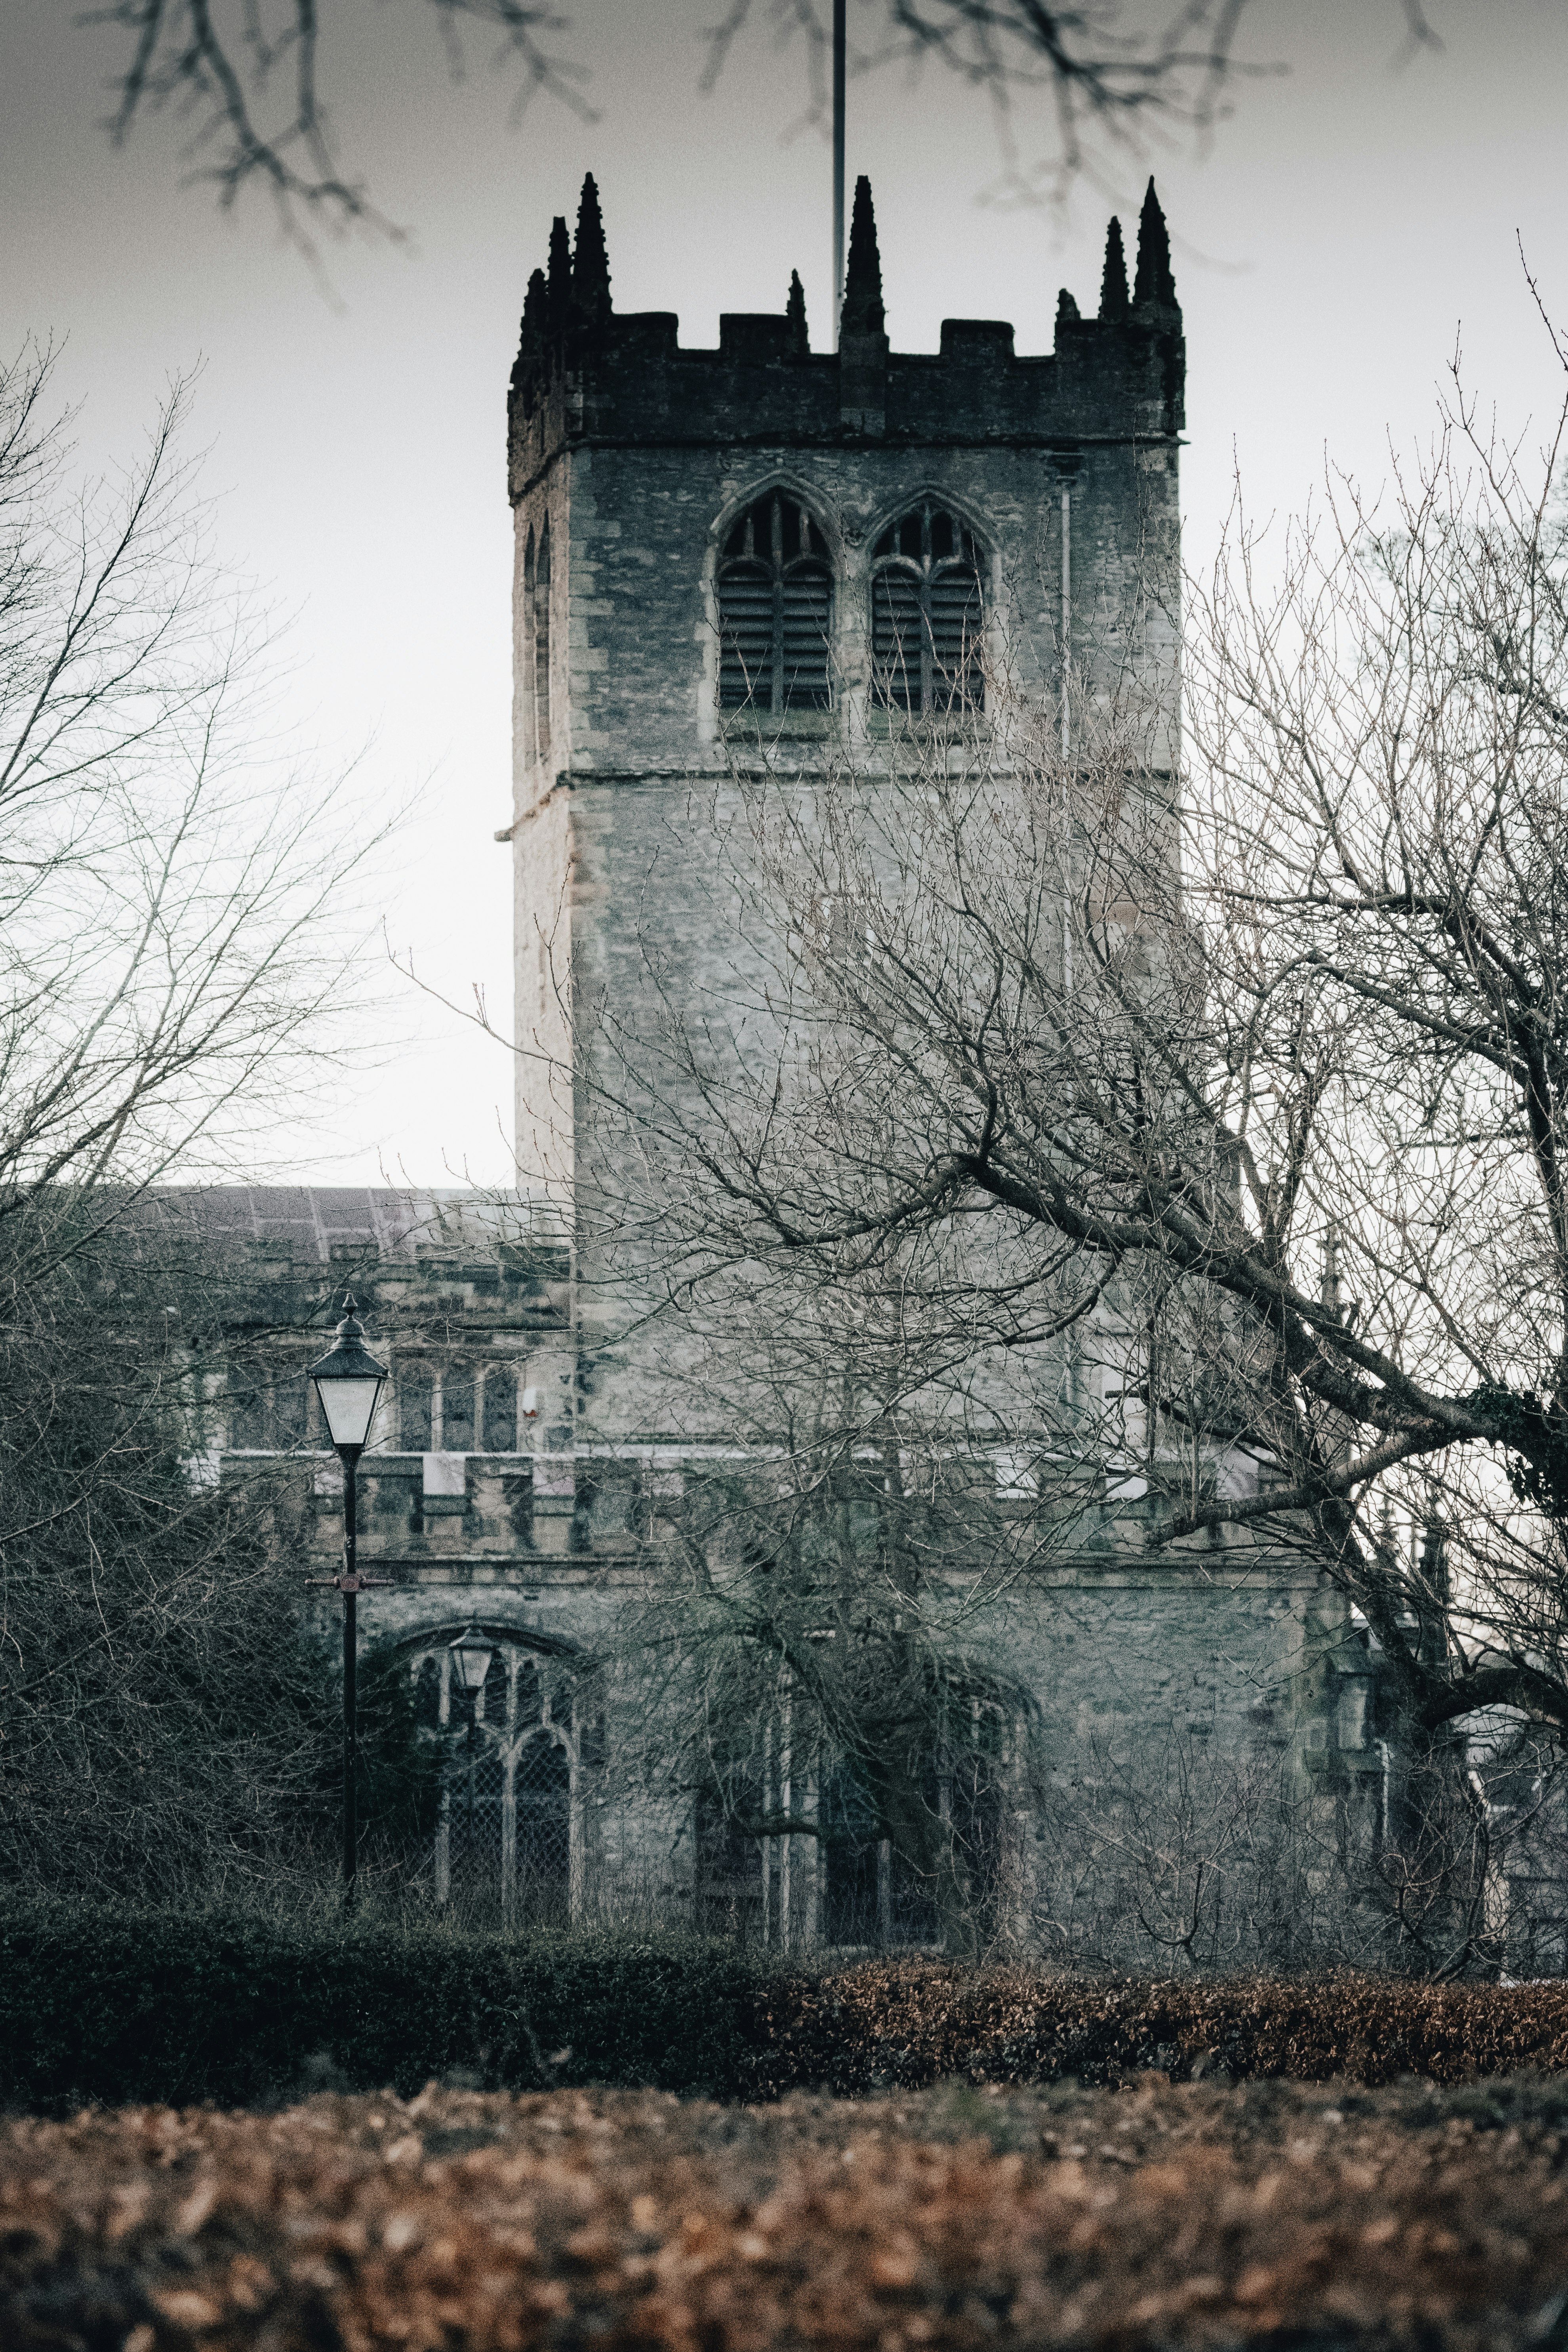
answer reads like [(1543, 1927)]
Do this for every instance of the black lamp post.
[(349, 1382)]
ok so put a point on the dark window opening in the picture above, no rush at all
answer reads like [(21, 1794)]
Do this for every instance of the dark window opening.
[(501, 1410), (775, 611), (870, 1894), (927, 615), (458, 1410), (731, 1888), (536, 634), (427, 1694), (248, 1432), (289, 1409), (516, 1492), (476, 1815), (543, 1822), (267, 1407), (873, 1893), (413, 1400)]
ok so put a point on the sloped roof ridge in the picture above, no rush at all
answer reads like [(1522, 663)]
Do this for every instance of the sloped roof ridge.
[(397, 1220)]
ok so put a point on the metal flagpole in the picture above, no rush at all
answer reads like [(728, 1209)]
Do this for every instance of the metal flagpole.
[(838, 48)]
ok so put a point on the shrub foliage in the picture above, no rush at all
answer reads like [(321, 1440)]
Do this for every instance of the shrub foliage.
[(1403, 2221), (884, 2024), (117, 2006)]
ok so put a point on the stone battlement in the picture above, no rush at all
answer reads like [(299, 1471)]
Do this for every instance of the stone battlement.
[(586, 374)]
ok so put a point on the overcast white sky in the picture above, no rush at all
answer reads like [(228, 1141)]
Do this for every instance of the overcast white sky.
[(1353, 218)]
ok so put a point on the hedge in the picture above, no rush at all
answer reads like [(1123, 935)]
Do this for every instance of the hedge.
[(121, 2006), (1424, 2221), (887, 2024), (125, 2007)]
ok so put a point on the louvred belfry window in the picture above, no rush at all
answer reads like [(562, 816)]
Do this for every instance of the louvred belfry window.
[(927, 615), (775, 611)]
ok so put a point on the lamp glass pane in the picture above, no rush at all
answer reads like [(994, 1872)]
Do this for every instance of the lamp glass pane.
[(472, 1656), (349, 1407)]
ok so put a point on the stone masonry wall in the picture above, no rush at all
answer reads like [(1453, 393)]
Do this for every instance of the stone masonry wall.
[(635, 532), (634, 670)]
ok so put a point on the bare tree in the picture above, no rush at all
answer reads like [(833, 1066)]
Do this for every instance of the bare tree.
[(1378, 833), (1205, 1131), (175, 925), (170, 1720), (1177, 1857), (250, 80), (166, 873), (1107, 79), (1180, 1851), (161, 1712)]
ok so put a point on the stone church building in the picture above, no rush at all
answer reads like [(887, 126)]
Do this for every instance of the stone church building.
[(716, 547)]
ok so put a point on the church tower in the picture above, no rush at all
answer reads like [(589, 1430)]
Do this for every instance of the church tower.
[(768, 542), (756, 562)]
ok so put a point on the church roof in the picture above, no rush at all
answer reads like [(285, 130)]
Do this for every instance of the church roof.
[(316, 1219)]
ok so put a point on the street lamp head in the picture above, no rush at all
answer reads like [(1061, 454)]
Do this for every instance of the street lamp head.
[(471, 1656), (348, 1381)]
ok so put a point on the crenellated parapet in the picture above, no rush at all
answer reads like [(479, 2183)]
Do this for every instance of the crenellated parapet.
[(587, 375)]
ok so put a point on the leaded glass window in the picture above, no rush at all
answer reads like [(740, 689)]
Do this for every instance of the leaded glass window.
[(513, 1754)]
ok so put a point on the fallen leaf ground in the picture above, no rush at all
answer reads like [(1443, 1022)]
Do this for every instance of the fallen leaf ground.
[(1153, 2215)]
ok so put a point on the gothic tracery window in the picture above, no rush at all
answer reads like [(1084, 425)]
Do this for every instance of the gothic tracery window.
[(927, 613), (514, 1756), (775, 609)]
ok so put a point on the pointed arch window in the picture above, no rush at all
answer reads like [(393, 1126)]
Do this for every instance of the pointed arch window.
[(775, 609), (536, 634), (515, 1756), (927, 614)]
